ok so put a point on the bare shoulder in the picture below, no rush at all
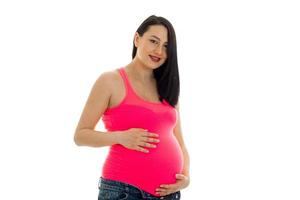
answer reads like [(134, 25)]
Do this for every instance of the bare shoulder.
[(109, 84), (98, 100), (114, 84), (107, 78)]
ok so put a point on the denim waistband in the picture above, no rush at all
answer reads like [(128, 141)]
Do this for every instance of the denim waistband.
[(120, 185), (133, 189)]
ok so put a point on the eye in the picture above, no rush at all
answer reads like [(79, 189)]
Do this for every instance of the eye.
[(153, 41)]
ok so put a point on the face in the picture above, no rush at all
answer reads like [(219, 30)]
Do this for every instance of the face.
[(152, 46)]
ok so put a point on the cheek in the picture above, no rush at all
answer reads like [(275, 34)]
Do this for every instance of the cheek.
[(147, 48), (142, 52)]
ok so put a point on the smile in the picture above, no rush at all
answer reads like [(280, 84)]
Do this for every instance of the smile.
[(155, 59)]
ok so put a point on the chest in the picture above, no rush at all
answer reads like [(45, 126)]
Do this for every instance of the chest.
[(147, 92)]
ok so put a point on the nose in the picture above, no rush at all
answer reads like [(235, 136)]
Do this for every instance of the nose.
[(159, 50)]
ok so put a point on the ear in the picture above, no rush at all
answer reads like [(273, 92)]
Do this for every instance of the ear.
[(136, 39)]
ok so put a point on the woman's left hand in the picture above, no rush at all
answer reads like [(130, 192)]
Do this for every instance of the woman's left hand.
[(182, 181)]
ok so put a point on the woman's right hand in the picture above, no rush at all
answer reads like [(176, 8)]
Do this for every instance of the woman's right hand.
[(137, 139)]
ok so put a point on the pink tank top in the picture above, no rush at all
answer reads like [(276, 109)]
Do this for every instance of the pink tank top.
[(147, 171)]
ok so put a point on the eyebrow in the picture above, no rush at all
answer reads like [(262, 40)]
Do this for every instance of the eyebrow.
[(157, 37)]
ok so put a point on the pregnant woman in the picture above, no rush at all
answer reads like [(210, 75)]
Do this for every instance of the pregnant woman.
[(139, 106)]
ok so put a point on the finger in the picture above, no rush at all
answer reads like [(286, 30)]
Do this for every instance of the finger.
[(145, 144), (165, 186), (164, 193), (180, 176), (152, 145), (148, 134), (152, 140), (161, 190), (147, 139), (153, 135), (142, 149)]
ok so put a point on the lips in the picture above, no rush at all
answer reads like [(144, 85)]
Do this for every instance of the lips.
[(155, 59)]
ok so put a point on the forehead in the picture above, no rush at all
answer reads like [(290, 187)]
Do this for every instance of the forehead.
[(158, 31)]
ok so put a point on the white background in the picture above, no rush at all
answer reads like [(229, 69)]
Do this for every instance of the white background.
[(239, 71)]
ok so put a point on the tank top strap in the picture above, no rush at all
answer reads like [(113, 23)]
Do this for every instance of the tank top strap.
[(128, 88), (130, 93)]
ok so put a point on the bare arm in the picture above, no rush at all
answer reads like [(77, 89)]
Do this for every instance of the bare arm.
[(92, 138), (178, 134), (134, 138), (96, 104)]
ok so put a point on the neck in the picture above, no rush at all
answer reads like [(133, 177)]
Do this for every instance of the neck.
[(140, 72)]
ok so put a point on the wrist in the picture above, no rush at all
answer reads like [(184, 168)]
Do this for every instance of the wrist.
[(117, 137), (187, 175)]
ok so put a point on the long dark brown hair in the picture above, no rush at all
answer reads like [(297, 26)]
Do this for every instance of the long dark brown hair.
[(167, 75)]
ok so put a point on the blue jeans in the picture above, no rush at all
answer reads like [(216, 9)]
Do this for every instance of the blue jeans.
[(115, 190)]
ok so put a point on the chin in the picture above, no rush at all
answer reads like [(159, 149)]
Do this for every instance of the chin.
[(155, 66)]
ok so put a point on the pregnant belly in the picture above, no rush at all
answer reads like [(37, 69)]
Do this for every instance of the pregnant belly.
[(145, 170)]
